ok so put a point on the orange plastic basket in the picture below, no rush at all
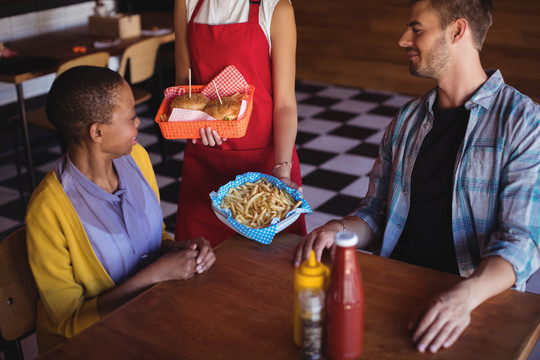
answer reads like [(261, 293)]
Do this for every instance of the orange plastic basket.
[(190, 129)]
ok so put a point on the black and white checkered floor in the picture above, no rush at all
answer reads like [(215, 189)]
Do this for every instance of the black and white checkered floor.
[(338, 134)]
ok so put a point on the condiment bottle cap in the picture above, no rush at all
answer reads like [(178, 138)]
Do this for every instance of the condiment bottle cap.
[(312, 266), (346, 239)]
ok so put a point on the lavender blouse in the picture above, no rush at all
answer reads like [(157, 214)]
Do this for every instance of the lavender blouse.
[(124, 228)]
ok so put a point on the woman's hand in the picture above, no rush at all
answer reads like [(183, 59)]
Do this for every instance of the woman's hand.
[(283, 172), (205, 257), (176, 264), (292, 184), (210, 137)]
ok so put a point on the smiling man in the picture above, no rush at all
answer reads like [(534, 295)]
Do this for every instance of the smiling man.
[(456, 184)]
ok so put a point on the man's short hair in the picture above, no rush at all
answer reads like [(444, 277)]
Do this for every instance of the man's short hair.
[(80, 97), (478, 13)]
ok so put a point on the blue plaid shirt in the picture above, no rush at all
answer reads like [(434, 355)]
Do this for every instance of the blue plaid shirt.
[(496, 185)]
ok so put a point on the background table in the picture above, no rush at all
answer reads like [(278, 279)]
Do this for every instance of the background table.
[(242, 308), (54, 48)]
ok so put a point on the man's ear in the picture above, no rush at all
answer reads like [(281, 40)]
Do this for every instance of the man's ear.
[(96, 132), (459, 28)]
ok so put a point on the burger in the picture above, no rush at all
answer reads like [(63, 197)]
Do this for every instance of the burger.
[(196, 101), (226, 109)]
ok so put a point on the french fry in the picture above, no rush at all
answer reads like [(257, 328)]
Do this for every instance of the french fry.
[(256, 204)]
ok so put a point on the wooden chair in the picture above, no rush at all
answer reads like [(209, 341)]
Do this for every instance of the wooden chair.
[(18, 294), (138, 67)]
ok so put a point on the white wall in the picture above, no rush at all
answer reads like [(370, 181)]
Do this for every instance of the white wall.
[(41, 22)]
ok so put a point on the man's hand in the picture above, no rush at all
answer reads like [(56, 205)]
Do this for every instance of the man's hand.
[(442, 320), (324, 236), (319, 239)]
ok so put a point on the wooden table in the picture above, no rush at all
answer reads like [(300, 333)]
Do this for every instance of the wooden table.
[(58, 47), (242, 308)]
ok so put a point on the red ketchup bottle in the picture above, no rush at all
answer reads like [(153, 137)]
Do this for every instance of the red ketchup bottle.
[(345, 302)]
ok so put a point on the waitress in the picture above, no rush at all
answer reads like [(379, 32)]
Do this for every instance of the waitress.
[(259, 39)]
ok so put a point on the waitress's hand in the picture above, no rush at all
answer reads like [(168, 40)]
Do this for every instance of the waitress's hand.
[(210, 137), (283, 173), (292, 184)]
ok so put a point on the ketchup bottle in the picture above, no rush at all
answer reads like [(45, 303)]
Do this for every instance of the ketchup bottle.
[(345, 302)]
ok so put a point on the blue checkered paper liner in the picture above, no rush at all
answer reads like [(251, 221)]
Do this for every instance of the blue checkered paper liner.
[(262, 235)]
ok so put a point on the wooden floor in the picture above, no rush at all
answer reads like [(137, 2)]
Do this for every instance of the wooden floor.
[(355, 43)]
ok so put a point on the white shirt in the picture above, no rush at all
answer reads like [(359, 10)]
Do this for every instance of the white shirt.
[(219, 12)]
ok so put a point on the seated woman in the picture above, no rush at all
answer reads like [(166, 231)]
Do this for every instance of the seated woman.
[(95, 229)]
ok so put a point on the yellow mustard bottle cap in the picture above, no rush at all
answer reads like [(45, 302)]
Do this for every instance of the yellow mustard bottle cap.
[(312, 266)]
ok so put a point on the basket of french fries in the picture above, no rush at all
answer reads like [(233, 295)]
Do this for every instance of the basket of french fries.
[(258, 206)]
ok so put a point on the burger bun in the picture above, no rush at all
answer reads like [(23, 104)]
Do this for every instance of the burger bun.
[(226, 109), (196, 101)]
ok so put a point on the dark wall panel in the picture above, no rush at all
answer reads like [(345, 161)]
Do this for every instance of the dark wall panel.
[(18, 7), (145, 5)]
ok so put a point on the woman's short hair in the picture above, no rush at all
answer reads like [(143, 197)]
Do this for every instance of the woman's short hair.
[(478, 13), (81, 96)]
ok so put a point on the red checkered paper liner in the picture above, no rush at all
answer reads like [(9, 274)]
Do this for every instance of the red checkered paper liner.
[(228, 82)]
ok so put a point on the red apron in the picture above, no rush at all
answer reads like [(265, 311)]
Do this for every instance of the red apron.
[(205, 169)]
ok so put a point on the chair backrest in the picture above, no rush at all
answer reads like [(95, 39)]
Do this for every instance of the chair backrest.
[(142, 60), (18, 292), (95, 59)]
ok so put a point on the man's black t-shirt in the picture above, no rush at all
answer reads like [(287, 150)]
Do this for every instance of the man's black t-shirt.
[(427, 238)]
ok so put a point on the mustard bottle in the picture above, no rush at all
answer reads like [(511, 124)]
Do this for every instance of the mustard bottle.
[(310, 274)]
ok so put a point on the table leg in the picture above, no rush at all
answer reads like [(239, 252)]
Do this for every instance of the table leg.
[(26, 135)]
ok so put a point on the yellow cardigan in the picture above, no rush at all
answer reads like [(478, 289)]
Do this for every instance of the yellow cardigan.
[(68, 274)]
